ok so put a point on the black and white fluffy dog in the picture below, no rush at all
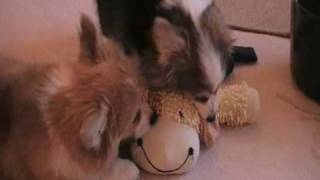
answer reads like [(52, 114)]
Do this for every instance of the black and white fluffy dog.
[(183, 44)]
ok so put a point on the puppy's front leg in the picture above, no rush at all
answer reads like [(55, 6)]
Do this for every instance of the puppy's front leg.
[(124, 170)]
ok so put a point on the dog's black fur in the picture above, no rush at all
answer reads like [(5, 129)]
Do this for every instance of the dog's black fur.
[(130, 22)]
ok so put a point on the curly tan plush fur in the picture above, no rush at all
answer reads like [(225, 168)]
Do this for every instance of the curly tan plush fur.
[(238, 105)]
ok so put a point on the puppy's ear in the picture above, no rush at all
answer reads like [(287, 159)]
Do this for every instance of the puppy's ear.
[(167, 39), (88, 40), (92, 133)]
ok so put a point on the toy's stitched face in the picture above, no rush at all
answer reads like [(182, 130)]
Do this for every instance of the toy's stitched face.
[(168, 148)]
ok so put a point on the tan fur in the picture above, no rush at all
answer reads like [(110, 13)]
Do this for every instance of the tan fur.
[(67, 120)]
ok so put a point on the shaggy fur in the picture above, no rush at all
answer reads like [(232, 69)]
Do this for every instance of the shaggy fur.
[(66, 121), (183, 44)]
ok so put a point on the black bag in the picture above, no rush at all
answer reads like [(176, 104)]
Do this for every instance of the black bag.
[(305, 49)]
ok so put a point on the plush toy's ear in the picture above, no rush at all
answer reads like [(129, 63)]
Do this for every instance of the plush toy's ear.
[(88, 41), (92, 134)]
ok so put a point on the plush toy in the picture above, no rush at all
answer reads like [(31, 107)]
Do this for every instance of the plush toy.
[(172, 146), (237, 105)]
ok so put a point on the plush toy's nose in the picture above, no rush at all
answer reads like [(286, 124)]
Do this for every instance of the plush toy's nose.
[(191, 151), (211, 118)]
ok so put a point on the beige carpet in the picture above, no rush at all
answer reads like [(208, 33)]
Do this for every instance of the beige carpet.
[(265, 16), (283, 145)]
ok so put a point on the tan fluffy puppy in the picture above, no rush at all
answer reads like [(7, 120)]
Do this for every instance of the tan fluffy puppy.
[(66, 121)]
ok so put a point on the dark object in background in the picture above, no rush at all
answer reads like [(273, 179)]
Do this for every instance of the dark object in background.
[(5, 106), (129, 22), (305, 47), (241, 55), (313, 6), (244, 55)]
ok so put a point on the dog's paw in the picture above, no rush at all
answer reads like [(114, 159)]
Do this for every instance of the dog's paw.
[(131, 172), (125, 170)]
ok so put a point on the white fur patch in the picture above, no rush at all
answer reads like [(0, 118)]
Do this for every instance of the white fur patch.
[(92, 130), (211, 61)]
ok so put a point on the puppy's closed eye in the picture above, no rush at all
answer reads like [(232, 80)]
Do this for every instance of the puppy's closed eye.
[(202, 99)]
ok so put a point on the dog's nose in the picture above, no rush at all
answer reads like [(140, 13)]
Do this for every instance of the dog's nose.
[(211, 118), (140, 142), (154, 118)]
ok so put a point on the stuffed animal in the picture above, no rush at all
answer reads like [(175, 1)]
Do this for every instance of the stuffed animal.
[(238, 105), (172, 145)]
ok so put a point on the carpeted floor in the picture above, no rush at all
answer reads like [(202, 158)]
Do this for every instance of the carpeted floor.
[(284, 144), (270, 16)]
